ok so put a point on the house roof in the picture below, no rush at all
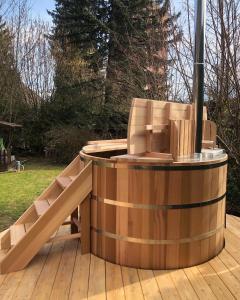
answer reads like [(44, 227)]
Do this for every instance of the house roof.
[(11, 125)]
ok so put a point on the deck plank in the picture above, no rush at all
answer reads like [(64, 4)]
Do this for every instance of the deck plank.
[(31, 275), (233, 225), (231, 239), (230, 263), (149, 285), (45, 282), (235, 217), (232, 245), (183, 285), (114, 282), (80, 279), (62, 283), (166, 285), (199, 284), (97, 280), (132, 286), (226, 276), (10, 284), (219, 289)]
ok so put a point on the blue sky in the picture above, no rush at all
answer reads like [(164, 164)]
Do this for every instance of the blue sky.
[(39, 8)]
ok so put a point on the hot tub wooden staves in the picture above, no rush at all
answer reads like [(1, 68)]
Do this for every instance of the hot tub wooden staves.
[(155, 216)]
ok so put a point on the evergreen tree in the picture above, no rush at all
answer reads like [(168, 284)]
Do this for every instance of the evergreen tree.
[(140, 34), (120, 49), (78, 50)]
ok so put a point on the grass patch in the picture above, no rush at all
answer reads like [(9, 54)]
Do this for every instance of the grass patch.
[(18, 190)]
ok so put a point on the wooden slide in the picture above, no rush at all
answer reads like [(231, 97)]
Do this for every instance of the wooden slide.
[(40, 222)]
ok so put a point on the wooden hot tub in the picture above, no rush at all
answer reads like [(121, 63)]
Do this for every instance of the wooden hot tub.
[(157, 216)]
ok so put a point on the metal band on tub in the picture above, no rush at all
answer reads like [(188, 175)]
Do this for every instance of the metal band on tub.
[(199, 237), (158, 206)]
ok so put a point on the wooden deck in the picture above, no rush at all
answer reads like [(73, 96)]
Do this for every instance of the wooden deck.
[(60, 272)]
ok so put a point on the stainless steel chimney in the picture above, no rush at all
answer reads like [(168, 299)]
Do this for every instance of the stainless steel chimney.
[(198, 76)]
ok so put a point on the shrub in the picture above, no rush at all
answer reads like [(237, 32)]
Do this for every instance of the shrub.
[(65, 142), (233, 188)]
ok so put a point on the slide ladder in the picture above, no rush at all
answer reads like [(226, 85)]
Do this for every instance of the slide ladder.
[(40, 222)]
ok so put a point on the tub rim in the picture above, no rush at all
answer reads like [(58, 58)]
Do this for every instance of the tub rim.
[(131, 164)]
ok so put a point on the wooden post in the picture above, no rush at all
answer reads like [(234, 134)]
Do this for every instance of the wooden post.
[(74, 216), (182, 138), (85, 225), (149, 122)]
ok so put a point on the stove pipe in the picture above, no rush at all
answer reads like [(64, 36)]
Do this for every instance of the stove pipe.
[(198, 76)]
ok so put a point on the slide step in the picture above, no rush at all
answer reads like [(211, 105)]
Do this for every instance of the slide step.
[(28, 226), (51, 200), (41, 207), (64, 181), (17, 232)]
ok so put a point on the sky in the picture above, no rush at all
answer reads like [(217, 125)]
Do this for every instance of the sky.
[(39, 8)]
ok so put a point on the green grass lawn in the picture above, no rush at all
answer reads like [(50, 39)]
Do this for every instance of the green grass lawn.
[(18, 190)]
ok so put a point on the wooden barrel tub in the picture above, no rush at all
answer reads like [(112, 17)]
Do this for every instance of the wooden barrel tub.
[(157, 216)]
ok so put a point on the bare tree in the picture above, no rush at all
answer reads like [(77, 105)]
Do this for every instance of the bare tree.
[(222, 79), (32, 54)]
